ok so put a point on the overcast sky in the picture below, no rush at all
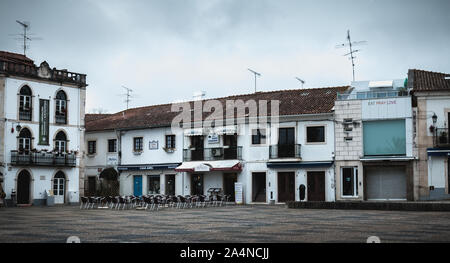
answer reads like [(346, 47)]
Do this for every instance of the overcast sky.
[(166, 50)]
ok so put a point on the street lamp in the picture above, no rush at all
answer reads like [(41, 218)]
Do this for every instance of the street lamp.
[(434, 118)]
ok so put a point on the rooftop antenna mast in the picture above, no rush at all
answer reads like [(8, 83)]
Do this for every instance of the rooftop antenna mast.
[(351, 44), (301, 81), (128, 94), (25, 36), (256, 74)]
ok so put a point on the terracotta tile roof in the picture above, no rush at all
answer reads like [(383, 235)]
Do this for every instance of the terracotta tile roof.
[(16, 58), (95, 116), (421, 80), (292, 102)]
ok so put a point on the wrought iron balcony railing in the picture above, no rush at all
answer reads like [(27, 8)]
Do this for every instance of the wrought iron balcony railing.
[(60, 118), (442, 137), (25, 115), (285, 151), (43, 159), (213, 154)]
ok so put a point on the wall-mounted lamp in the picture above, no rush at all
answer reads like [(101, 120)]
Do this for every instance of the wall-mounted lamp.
[(434, 118), (18, 128)]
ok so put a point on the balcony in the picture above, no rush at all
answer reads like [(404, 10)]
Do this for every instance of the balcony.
[(60, 118), (282, 151), (442, 138), (213, 154), (366, 95), (25, 115), (43, 159)]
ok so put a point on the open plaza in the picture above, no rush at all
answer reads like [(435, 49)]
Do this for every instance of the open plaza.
[(230, 224)]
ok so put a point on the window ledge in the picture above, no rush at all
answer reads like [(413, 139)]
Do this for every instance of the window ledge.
[(169, 150), (137, 153)]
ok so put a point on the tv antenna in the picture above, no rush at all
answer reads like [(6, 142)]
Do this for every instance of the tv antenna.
[(256, 74), (301, 81), (25, 36), (128, 95), (351, 44)]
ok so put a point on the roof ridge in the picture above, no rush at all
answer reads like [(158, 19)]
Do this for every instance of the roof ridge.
[(237, 95), (429, 71)]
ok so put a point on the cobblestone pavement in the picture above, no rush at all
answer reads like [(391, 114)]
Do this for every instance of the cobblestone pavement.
[(220, 224)]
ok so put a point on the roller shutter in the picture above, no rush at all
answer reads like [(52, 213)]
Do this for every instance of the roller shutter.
[(385, 183)]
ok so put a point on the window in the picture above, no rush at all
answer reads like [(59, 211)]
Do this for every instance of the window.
[(61, 107), (112, 145), (349, 177), (138, 144), (92, 147), (25, 104), (258, 136), (24, 140), (154, 184), (386, 137), (170, 141), (315, 134), (61, 142)]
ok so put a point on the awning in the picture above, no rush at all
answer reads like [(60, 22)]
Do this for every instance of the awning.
[(193, 132), (225, 130), (386, 158), (204, 166), (143, 167), (438, 152), (299, 164)]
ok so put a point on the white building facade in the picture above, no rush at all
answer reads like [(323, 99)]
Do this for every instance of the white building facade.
[(101, 159), (374, 142), (431, 92), (42, 129), (287, 158), (271, 161)]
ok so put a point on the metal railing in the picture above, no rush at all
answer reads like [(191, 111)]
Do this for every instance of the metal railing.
[(32, 71), (213, 154), (43, 159), (442, 137), (25, 115), (364, 95), (60, 118), (285, 151)]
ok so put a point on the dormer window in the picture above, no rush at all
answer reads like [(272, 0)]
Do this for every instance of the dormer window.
[(61, 107), (61, 142), (24, 140), (25, 104)]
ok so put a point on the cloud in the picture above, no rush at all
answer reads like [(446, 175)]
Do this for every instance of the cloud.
[(166, 50)]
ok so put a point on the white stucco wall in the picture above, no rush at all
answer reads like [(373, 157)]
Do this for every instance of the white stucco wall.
[(151, 156), (441, 106), (73, 130), (100, 158)]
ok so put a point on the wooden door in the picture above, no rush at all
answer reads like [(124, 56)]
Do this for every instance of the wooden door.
[(286, 186), (23, 187), (316, 186)]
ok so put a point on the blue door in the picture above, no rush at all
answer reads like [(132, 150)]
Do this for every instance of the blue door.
[(138, 185)]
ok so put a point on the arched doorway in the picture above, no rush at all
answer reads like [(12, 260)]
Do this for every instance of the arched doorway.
[(23, 187), (59, 187), (109, 183)]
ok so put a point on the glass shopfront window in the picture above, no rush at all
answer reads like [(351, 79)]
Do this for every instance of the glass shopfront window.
[(154, 185), (387, 137)]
